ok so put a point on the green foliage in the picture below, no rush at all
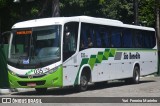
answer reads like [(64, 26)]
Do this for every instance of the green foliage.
[(114, 9), (34, 11), (146, 12), (3, 3)]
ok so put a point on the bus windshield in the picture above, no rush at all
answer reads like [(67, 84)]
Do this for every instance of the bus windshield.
[(35, 47)]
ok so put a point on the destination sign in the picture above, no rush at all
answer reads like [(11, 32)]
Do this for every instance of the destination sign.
[(24, 32)]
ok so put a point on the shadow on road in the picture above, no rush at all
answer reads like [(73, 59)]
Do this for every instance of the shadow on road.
[(71, 90)]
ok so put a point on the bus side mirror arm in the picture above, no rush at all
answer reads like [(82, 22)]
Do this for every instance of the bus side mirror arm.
[(1, 38), (1, 41)]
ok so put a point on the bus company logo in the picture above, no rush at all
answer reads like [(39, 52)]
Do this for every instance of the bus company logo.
[(131, 55), (25, 61), (6, 100), (30, 76)]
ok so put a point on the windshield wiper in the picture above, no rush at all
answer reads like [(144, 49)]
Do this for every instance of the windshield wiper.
[(37, 61), (20, 58)]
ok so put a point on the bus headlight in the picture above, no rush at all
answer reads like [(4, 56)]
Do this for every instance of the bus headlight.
[(13, 73), (52, 70)]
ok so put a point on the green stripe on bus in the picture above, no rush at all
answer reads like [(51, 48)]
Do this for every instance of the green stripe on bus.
[(112, 52), (84, 61), (105, 55), (91, 62), (96, 59)]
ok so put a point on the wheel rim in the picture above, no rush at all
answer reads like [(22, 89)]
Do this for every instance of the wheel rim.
[(137, 76), (84, 82)]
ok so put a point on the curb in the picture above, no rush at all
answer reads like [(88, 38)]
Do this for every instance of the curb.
[(152, 75), (8, 91), (4, 91), (24, 89)]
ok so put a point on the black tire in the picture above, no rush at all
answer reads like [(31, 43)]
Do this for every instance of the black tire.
[(83, 83), (41, 90), (136, 75)]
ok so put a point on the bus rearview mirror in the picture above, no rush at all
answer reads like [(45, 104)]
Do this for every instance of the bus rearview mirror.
[(1, 41), (2, 35)]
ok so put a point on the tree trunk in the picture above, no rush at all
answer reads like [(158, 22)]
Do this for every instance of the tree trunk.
[(135, 6), (55, 8), (157, 3), (158, 18), (43, 8), (0, 29)]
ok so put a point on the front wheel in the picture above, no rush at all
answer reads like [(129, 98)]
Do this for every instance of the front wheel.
[(83, 83)]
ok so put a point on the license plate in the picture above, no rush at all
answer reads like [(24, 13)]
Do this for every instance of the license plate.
[(31, 84)]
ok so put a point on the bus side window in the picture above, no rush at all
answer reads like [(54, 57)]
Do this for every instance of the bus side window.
[(86, 37), (91, 38), (116, 38), (83, 38), (104, 36), (127, 38), (99, 42), (70, 39), (106, 39), (152, 39), (147, 43), (138, 39)]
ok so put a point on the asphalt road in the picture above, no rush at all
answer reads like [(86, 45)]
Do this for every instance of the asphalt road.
[(148, 87)]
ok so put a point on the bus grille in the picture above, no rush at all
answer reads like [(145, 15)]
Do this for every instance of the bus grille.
[(24, 83), (25, 76)]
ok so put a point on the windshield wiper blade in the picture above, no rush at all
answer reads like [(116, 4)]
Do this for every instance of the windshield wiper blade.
[(38, 62), (19, 59)]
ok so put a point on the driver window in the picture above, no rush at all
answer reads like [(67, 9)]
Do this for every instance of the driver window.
[(70, 39)]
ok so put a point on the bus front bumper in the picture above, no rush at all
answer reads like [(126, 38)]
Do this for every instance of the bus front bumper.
[(50, 80)]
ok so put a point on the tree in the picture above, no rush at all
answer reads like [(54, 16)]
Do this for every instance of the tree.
[(136, 20), (50, 8), (157, 6), (3, 3), (5, 15), (157, 3), (113, 9), (55, 8), (147, 12)]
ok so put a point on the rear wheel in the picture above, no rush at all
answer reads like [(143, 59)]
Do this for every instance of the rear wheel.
[(136, 75), (41, 90)]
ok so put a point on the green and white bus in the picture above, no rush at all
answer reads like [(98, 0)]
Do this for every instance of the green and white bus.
[(75, 51)]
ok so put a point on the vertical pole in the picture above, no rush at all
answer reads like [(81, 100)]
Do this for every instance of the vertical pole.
[(0, 34), (0, 27), (22, 7), (157, 3), (135, 6)]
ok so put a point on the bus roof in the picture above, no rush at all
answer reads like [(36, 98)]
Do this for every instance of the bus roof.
[(85, 19)]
